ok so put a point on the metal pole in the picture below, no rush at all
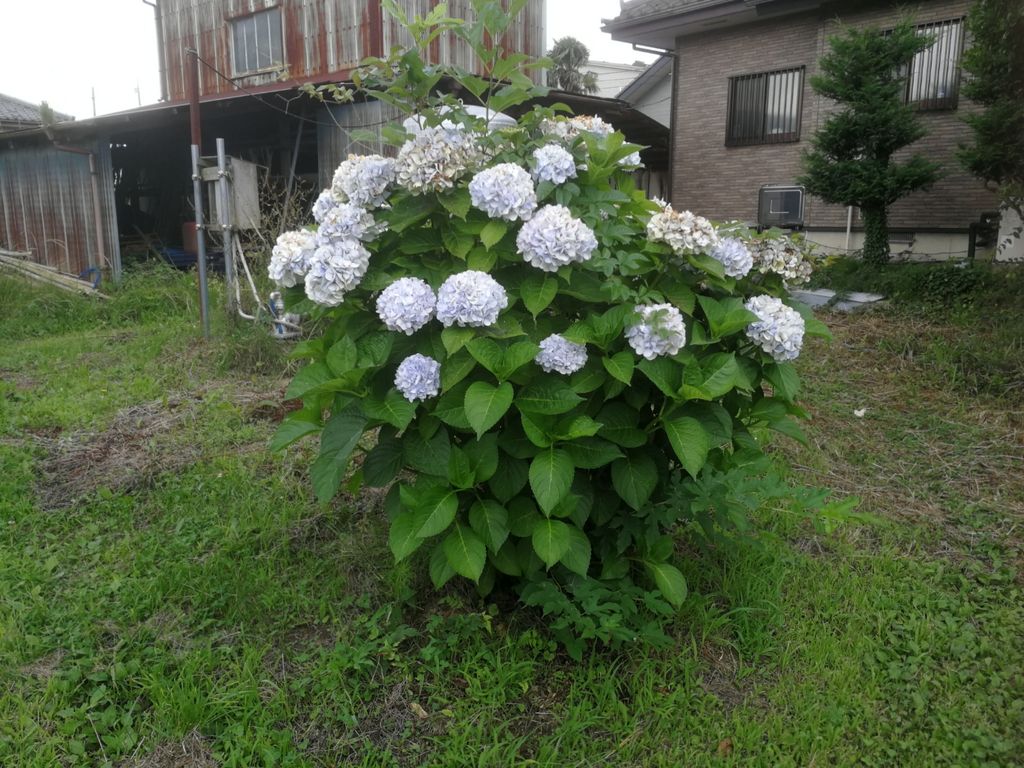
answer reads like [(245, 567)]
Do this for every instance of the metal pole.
[(849, 226), (225, 216), (204, 292)]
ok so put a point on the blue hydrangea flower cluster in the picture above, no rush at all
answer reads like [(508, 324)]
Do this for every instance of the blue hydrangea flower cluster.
[(418, 377), (324, 202), (470, 299), (682, 231), (345, 221), (560, 355), (553, 163), (335, 270), (659, 333), (504, 191), (436, 158), (363, 180), (778, 330), (290, 257), (734, 255), (406, 305), (554, 238)]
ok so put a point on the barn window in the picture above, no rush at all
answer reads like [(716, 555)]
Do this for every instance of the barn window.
[(765, 108), (256, 42)]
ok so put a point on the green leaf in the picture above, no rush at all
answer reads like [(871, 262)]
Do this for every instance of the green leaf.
[(450, 408), (689, 441), (455, 338), (481, 259), (726, 316), (457, 243), (307, 379), (456, 368), (790, 428), (394, 409), (485, 404), (488, 353), (538, 291), (812, 325), (784, 380), (483, 457), (620, 366), (383, 463), (465, 552), (592, 452), (373, 349), (714, 378), (457, 203), (492, 233), (435, 509), (666, 374), (490, 520), (620, 425), (506, 560), (294, 426), (577, 556), (340, 436), (669, 581), (680, 295), (551, 540), (460, 473), (522, 516), (547, 397), (402, 536), (536, 429), (509, 478), (342, 356), (634, 478), (551, 474), (575, 427), (441, 570), (707, 263)]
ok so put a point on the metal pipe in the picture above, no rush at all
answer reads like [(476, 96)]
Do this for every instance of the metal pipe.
[(195, 126), (159, 47), (849, 226), (204, 291), (225, 215)]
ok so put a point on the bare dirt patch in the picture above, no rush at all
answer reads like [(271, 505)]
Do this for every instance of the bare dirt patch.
[(191, 752)]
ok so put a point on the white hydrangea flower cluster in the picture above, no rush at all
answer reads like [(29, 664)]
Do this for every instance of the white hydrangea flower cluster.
[(779, 330), (418, 377), (435, 158), (470, 299), (335, 270), (561, 355), (783, 257), (570, 127), (660, 331), (290, 257), (554, 164), (406, 305), (735, 256), (504, 191), (554, 238), (347, 221), (322, 205), (363, 180), (632, 161), (682, 231)]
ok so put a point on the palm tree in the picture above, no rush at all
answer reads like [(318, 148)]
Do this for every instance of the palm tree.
[(570, 56)]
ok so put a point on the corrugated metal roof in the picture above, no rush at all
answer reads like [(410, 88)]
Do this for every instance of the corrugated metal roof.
[(638, 10), (14, 110)]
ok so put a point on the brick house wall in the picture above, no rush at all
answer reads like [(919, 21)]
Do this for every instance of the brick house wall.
[(722, 182)]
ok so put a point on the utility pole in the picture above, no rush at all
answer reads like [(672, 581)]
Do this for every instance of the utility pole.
[(94, 101)]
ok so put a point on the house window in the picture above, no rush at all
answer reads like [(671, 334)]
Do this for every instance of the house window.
[(934, 78), (257, 42), (765, 108)]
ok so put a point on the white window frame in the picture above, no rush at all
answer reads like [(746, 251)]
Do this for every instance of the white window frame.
[(240, 61)]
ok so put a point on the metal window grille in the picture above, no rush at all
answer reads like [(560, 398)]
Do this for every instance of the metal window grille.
[(934, 78), (257, 43), (765, 108)]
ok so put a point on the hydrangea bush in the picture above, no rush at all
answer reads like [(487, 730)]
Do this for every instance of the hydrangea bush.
[(538, 355)]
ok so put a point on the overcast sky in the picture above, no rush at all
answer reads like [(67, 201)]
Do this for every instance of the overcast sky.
[(59, 50)]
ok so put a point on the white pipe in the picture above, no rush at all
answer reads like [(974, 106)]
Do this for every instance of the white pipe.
[(849, 225)]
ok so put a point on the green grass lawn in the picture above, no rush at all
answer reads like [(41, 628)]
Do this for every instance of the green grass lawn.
[(172, 595)]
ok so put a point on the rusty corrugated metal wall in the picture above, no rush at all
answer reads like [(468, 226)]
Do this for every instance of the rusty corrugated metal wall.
[(323, 39), (46, 206)]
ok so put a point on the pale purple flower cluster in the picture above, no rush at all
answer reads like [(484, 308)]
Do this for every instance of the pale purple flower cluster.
[(363, 180), (418, 377), (504, 192), (631, 161), (323, 204), (779, 330), (289, 259), (436, 158), (335, 270), (571, 127), (553, 163), (660, 331), (346, 221), (682, 231), (406, 305), (783, 257), (470, 299), (561, 355), (734, 255), (554, 238)]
